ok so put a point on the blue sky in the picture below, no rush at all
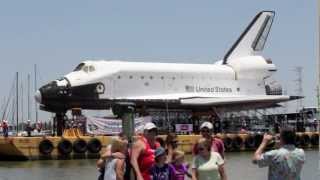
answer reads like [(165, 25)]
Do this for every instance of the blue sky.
[(58, 35)]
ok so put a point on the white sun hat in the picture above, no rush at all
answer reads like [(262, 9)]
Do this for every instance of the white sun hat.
[(206, 125), (149, 126)]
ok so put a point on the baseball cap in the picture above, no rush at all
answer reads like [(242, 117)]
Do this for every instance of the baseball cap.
[(159, 151), (149, 126), (206, 125)]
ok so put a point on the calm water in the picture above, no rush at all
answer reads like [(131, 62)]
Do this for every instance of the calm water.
[(238, 167)]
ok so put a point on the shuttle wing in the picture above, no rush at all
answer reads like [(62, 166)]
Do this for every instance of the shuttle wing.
[(235, 100), (196, 100)]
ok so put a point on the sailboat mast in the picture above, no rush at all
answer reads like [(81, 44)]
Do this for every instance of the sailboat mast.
[(12, 112), (17, 102), (29, 113), (35, 89), (22, 115)]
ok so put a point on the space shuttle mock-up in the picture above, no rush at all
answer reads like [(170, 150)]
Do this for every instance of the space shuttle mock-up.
[(238, 81)]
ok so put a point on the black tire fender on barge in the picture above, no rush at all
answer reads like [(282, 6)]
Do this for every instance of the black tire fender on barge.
[(65, 147), (227, 141), (306, 139), (45, 147), (299, 141), (315, 139), (237, 143), (94, 145), (249, 142), (80, 146)]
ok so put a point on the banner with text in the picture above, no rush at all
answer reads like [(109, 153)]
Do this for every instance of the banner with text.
[(112, 126), (184, 128)]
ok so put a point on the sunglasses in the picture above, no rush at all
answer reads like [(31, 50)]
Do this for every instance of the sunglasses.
[(205, 131), (201, 148), (153, 131)]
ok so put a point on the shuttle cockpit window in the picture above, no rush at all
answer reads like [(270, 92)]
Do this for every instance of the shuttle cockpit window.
[(79, 67), (86, 69), (91, 68)]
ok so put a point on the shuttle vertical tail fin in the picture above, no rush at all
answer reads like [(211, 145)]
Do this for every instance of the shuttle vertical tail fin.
[(253, 39)]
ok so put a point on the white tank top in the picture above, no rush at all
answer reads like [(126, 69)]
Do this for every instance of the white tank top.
[(110, 169)]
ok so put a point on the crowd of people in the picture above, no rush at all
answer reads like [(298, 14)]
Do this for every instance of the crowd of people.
[(28, 128), (150, 158)]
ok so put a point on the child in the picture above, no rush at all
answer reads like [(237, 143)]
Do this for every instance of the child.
[(115, 166), (179, 168), (161, 170)]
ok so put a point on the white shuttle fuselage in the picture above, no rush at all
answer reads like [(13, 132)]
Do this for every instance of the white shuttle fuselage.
[(140, 80)]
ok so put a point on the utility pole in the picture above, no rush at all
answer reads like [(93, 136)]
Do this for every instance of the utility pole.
[(22, 113), (29, 113), (318, 56)]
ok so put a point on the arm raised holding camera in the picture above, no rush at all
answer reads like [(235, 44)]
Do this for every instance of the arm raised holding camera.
[(266, 139)]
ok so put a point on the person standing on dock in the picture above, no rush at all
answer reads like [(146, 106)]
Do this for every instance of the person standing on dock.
[(284, 163), (28, 128), (5, 128), (206, 130)]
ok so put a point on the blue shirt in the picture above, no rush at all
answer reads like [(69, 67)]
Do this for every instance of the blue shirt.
[(161, 173), (284, 163)]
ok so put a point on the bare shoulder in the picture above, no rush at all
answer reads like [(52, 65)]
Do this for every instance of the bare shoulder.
[(138, 144)]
